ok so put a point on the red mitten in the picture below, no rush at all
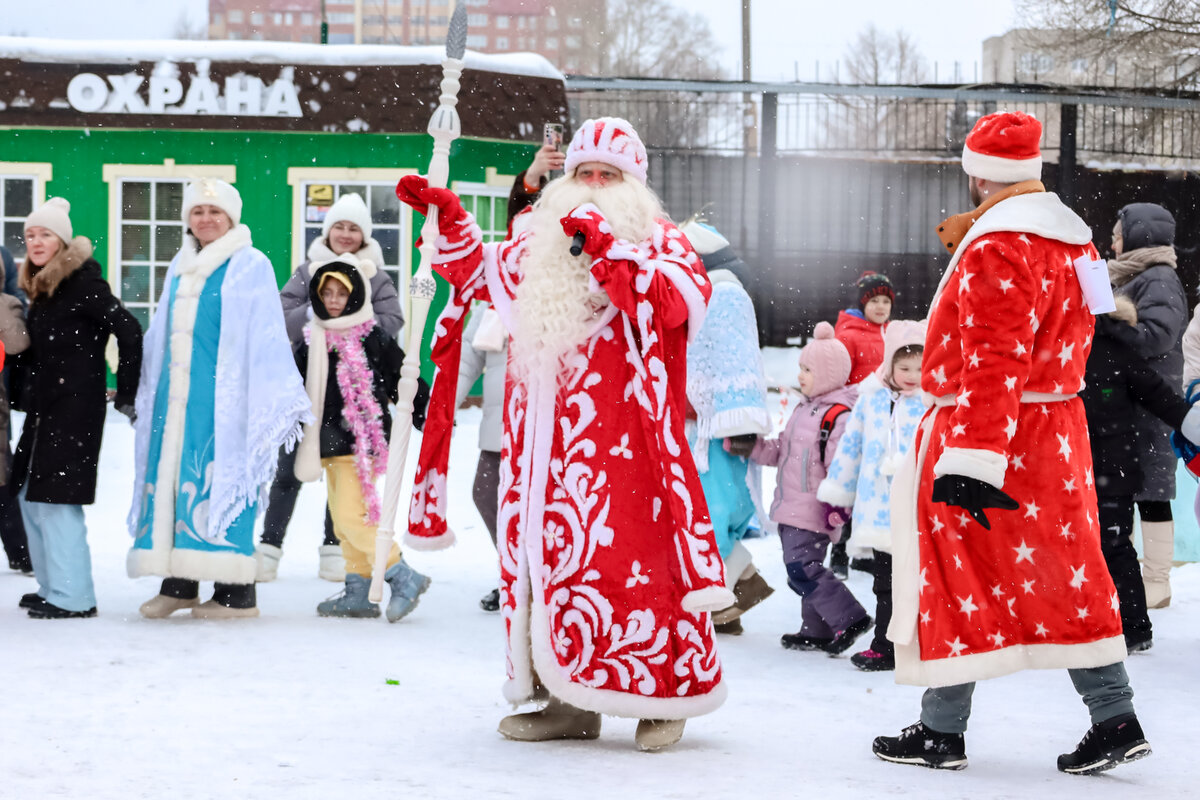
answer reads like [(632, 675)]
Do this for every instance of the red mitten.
[(590, 221), (415, 191), (409, 191)]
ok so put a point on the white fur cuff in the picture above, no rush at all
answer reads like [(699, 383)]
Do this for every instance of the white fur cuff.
[(711, 598), (983, 465), (427, 543), (829, 492)]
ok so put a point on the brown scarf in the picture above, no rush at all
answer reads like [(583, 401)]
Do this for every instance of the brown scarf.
[(1127, 266), (955, 229)]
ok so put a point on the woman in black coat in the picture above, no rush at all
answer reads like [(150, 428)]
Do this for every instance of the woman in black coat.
[(60, 383), (1118, 384)]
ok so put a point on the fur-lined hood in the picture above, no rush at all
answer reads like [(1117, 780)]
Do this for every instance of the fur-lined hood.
[(44, 282), (1125, 312)]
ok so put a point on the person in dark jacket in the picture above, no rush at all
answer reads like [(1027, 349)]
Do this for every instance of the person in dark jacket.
[(12, 527), (527, 186), (347, 229), (351, 370), (60, 384), (1119, 382), (1144, 270)]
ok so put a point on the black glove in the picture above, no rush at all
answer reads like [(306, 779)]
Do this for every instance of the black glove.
[(972, 495), (741, 445), (128, 410)]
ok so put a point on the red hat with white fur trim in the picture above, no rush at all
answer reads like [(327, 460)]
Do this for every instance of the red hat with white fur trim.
[(1004, 147), (609, 140)]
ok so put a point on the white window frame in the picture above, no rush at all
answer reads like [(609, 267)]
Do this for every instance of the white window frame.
[(39, 172), (300, 177), (115, 175), (495, 187)]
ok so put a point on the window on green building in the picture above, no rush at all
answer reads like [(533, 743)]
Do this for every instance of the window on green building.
[(386, 221), (16, 203), (151, 233), (489, 204)]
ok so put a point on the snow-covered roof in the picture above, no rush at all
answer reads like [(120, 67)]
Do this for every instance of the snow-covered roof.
[(132, 51)]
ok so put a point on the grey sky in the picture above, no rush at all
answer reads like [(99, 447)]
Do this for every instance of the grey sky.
[(789, 36)]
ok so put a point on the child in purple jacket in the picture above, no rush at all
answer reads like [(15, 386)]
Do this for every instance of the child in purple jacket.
[(832, 618)]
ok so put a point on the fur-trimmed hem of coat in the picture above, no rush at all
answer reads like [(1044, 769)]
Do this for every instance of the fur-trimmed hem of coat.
[(912, 671), (195, 565)]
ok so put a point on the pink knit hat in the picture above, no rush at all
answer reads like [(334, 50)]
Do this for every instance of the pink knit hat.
[(899, 333), (827, 359), (609, 140)]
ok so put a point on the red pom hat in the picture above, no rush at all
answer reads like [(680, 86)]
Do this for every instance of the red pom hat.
[(609, 140), (1004, 147)]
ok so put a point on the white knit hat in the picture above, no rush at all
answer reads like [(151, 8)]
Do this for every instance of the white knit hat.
[(54, 216), (609, 140), (348, 208), (212, 192)]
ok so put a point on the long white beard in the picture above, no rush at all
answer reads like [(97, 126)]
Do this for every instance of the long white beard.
[(554, 308)]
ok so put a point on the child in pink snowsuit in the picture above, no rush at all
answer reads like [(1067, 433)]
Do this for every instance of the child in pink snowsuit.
[(832, 618)]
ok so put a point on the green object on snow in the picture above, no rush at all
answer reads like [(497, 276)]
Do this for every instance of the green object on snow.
[(393, 682)]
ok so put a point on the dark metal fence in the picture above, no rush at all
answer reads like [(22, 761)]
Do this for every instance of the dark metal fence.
[(815, 183)]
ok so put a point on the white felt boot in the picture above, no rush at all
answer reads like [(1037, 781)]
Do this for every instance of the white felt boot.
[(333, 566), (266, 557), (1158, 549)]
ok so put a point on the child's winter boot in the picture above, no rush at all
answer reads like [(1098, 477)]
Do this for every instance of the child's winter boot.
[(656, 734), (352, 602), (558, 720), (407, 587), (332, 566), (267, 558)]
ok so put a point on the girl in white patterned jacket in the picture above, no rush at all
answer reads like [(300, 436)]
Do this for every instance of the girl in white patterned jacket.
[(881, 428)]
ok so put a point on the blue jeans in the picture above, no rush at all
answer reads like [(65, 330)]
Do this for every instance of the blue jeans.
[(58, 548)]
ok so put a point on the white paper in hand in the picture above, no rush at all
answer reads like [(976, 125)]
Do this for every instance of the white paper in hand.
[(1093, 280)]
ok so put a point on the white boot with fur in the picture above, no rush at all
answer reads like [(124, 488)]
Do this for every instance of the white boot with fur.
[(333, 566), (656, 734), (266, 557)]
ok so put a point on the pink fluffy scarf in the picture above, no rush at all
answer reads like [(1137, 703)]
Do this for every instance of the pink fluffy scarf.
[(361, 410)]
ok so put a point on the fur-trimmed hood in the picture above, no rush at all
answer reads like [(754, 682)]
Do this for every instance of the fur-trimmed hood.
[(1125, 311), (44, 282)]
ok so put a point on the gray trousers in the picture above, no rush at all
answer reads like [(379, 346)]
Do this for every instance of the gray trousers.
[(1105, 691)]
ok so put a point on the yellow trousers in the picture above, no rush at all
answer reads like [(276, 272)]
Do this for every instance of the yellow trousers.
[(349, 511)]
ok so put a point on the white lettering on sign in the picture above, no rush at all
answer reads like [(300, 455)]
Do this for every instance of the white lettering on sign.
[(243, 95)]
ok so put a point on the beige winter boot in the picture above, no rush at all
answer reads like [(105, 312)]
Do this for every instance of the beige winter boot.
[(750, 590), (211, 609), (162, 606), (655, 734), (558, 720), (1158, 550), (266, 558)]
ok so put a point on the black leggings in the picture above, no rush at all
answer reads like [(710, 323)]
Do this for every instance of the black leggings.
[(282, 502), (1155, 510)]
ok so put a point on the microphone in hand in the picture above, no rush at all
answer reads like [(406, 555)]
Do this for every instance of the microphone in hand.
[(577, 242)]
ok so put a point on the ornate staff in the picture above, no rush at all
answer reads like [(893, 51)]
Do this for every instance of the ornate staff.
[(444, 127)]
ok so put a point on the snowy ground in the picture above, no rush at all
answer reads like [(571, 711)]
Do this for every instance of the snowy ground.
[(291, 705)]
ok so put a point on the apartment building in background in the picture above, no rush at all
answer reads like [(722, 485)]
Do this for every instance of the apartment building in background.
[(566, 32)]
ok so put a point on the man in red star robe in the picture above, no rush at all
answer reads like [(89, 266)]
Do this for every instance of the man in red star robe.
[(609, 566), (998, 566)]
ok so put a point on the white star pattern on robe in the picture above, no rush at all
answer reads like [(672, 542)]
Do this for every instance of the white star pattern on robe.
[(1005, 285), (1012, 602), (1020, 349), (1115, 603), (1081, 613), (1066, 354), (939, 375), (964, 283), (969, 322), (938, 525), (1018, 461), (1065, 531), (958, 430), (1087, 340), (956, 647), (1031, 510), (1010, 430), (974, 359), (1046, 282), (1064, 446), (964, 520), (957, 562), (1069, 486), (964, 398), (945, 340), (997, 639), (1028, 585), (926, 617), (967, 606), (1087, 478), (1066, 305), (923, 579), (1078, 579), (1041, 630), (1010, 382), (997, 592), (1024, 552), (1033, 320)]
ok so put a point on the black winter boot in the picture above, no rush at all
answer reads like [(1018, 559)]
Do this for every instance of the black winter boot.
[(923, 747), (798, 641), (844, 639), (1105, 745)]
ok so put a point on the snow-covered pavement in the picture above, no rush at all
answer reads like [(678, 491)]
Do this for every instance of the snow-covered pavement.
[(292, 705)]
